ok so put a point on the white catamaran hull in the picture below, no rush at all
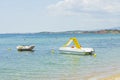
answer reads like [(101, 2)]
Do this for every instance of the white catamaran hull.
[(76, 50)]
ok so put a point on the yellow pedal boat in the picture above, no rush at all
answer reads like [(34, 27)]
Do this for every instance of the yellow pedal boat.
[(76, 49)]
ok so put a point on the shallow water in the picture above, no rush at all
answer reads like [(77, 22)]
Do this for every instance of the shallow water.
[(45, 64)]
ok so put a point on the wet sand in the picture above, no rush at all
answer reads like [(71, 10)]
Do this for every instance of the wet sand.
[(112, 77), (103, 77), (113, 74)]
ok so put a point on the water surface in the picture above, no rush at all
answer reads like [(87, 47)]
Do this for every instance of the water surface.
[(43, 64)]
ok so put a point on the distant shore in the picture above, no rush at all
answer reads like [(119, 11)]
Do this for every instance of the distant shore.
[(105, 31)]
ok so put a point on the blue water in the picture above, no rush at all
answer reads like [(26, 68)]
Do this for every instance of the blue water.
[(45, 64)]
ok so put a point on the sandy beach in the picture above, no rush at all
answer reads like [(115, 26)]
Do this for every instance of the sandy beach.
[(103, 76), (112, 77)]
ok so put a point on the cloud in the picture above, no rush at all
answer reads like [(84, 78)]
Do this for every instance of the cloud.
[(78, 7)]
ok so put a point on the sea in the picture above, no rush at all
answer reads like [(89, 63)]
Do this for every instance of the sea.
[(47, 63)]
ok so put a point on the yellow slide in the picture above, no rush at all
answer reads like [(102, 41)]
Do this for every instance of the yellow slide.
[(76, 43)]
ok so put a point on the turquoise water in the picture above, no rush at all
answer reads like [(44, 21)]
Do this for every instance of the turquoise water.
[(43, 64)]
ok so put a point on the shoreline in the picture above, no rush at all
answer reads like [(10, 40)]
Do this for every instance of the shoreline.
[(110, 75), (104, 31)]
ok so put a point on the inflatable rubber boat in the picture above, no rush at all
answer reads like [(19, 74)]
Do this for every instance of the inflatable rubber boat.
[(76, 49), (25, 48)]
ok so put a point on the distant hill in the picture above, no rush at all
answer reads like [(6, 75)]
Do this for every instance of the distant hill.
[(114, 30), (105, 31)]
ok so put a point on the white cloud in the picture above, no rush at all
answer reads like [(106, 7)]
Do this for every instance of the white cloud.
[(77, 7)]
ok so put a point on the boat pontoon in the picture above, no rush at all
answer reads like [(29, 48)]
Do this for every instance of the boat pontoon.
[(76, 49), (25, 48)]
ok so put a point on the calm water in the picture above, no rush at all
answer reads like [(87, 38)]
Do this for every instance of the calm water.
[(42, 64)]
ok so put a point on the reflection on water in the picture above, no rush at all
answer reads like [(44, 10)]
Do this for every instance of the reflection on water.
[(74, 57), (31, 51), (77, 54), (26, 52), (74, 62)]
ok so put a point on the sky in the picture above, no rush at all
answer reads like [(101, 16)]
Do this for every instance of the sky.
[(24, 16)]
